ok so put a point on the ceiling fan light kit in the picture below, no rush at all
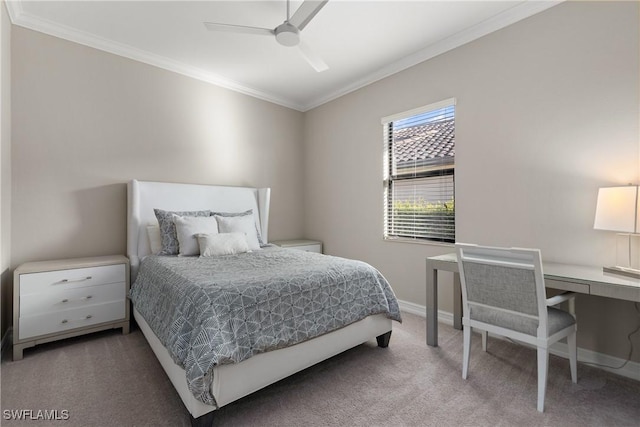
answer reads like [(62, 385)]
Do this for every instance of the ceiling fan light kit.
[(287, 33)]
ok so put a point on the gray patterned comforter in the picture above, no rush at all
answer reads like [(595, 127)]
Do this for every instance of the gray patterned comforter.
[(219, 310)]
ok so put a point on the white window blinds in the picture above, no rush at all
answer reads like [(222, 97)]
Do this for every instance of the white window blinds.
[(419, 200)]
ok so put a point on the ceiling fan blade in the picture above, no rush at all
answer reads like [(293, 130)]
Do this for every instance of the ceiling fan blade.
[(312, 58), (242, 29), (305, 13)]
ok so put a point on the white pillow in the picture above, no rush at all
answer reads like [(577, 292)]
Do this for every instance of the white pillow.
[(247, 212), (222, 244), (240, 224), (155, 241), (186, 229)]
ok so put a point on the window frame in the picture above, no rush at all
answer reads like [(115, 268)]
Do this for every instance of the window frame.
[(388, 179)]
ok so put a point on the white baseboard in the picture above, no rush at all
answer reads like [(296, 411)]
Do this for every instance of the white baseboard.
[(420, 310), (600, 360), (6, 340)]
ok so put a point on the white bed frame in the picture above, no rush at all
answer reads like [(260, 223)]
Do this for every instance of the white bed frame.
[(230, 382)]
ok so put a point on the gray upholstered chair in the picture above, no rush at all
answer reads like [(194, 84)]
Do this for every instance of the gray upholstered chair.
[(503, 293)]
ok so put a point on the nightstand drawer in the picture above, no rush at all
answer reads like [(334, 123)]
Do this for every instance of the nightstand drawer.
[(65, 299), (33, 326), (55, 281)]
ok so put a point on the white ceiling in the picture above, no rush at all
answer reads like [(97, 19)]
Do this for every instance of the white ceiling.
[(361, 41)]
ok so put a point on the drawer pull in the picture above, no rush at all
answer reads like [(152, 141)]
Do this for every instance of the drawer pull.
[(81, 279), (88, 316), (88, 297)]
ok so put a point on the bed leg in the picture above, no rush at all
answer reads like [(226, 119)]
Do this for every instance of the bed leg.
[(383, 340), (205, 420)]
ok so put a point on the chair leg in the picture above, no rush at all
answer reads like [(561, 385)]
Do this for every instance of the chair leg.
[(484, 339), (543, 366), (465, 353), (573, 356)]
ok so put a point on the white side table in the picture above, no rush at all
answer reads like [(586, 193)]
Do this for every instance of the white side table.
[(60, 299), (300, 244)]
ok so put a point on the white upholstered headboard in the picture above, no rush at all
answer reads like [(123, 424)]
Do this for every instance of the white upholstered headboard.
[(144, 196)]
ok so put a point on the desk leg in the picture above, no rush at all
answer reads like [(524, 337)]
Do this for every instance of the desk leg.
[(457, 302), (432, 306), (572, 307)]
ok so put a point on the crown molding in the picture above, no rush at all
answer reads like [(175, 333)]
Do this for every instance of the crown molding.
[(516, 13), (23, 19), (14, 8), (510, 16)]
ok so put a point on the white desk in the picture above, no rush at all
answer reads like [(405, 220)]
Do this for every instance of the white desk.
[(566, 277)]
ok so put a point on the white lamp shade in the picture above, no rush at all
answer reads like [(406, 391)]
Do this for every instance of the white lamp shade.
[(618, 209)]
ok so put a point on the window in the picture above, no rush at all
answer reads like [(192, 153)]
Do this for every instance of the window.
[(419, 166)]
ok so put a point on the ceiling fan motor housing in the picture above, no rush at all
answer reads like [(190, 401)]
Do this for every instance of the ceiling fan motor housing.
[(287, 34)]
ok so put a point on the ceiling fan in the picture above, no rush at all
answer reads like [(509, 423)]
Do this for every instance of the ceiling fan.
[(287, 33)]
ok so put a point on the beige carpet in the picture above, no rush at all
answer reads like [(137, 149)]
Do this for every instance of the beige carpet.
[(110, 379)]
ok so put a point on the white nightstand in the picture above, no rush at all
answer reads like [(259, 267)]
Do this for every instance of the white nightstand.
[(300, 244), (53, 300)]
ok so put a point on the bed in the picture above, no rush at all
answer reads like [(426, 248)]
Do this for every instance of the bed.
[(230, 374)]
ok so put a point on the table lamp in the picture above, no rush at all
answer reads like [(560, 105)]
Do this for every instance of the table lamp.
[(618, 209)]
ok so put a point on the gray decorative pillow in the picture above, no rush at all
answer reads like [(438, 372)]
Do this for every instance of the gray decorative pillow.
[(234, 214), (168, 235)]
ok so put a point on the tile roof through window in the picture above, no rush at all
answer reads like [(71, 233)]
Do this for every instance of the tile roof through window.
[(431, 143)]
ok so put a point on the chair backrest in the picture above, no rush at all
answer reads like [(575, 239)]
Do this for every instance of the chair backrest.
[(502, 286)]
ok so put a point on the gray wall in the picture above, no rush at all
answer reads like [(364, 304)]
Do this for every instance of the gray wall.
[(5, 168), (85, 122), (547, 112)]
